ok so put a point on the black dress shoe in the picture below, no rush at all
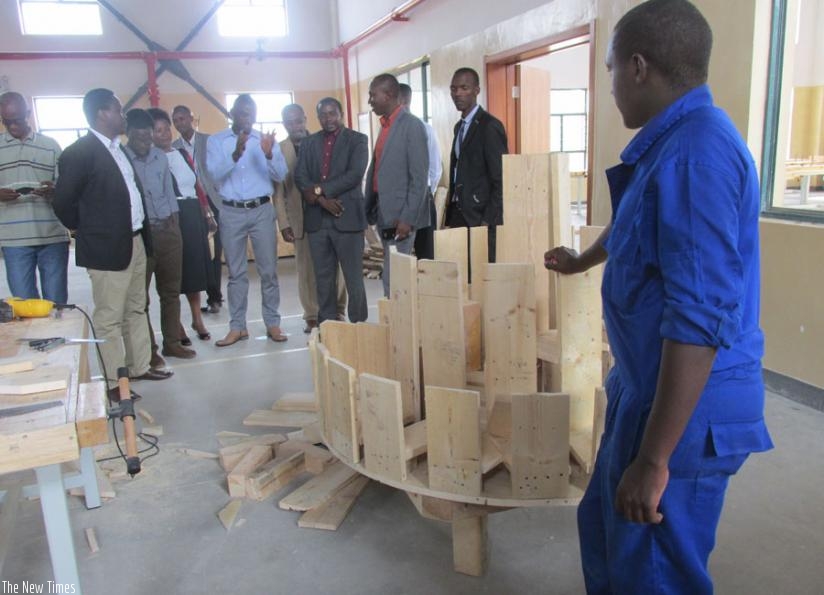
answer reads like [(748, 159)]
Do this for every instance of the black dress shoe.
[(152, 374), (185, 341), (114, 395)]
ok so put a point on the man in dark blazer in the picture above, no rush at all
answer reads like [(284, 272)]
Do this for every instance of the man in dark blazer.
[(329, 175), (194, 143), (475, 168), (397, 180), (98, 196)]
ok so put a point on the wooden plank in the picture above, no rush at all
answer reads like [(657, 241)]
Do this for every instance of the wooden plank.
[(297, 402), (590, 233), (509, 332), (382, 423), (473, 346), (279, 419), (453, 437), (46, 446), (315, 458), (560, 227), (549, 346), (414, 439), (91, 539), (274, 475), (491, 457), (452, 245), (310, 434), (319, 489), (18, 366), (42, 379), (253, 459), (478, 259), (579, 326), (91, 417), (440, 309), (373, 349), (341, 339), (384, 311), (318, 353), (230, 455), (470, 552), (342, 425), (228, 513), (525, 235), (405, 332), (540, 445), (332, 513)]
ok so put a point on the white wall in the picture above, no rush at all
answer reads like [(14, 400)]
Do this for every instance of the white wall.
[(809, 52)]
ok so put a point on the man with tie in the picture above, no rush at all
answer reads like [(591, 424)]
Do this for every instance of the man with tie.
[(475, 169)]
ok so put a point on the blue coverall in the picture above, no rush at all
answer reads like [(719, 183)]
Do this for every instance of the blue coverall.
[(683, 264)]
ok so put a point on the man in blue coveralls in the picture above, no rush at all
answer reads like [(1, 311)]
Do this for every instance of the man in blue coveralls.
[(681, 300)]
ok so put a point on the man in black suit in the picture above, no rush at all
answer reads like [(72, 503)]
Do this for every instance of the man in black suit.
[(98, 196), (329, 175), (475, 168)]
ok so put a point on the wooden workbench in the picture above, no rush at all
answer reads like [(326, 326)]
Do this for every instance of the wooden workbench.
[(42, 440)]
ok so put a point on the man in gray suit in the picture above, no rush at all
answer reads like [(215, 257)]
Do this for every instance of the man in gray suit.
[(194, 143), (329, 175), (396, 183), (289, 207)]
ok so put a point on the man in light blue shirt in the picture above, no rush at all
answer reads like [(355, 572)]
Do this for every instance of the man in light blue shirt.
[(244, 164)]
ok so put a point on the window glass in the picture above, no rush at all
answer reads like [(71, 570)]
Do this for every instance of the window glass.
[(60, 17), (793, 159), (60, 118), (568, 125), (252, 18), (269, 107)]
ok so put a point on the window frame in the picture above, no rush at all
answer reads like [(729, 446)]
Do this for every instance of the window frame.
[(22, 20), (772, 122)]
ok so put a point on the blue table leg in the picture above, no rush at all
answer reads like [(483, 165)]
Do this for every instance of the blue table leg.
[(88, 470), (58, 529)]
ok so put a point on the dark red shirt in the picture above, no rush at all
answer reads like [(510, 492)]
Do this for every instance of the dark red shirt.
[(386, 124), (328, 145)]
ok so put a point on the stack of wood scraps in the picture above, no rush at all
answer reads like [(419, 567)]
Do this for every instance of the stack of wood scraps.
[(258, 466), (373, 261)]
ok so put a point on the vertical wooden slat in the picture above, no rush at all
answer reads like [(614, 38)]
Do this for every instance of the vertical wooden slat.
[(343, 413), (540, 445), (405, 332), (382, 425), (443, 342)]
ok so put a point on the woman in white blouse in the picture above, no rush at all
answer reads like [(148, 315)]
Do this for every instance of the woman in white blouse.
[(196, 221)]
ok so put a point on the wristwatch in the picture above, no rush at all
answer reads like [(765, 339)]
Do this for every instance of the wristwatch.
[(318, 190)]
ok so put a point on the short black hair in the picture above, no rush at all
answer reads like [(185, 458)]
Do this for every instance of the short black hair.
[(471, 72), (182, 108), (329, 101), (96, 100), (159, 114), (405, 94), (244, 98), (389, 81), (13, 97), (293, 106), (138, 119), (673, 37)]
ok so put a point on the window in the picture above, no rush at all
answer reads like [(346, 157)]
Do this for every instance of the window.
[(60, 17), (568, 125), (252, 18), (60, 118), (792, 184), (418, 78), (269, 107)]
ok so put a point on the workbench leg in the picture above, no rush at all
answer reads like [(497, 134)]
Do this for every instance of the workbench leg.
[(805, 188), (470, 552), (58, 528), (88, 470)]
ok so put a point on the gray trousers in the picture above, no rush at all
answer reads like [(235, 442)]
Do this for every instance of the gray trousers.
[(258, 225), (330, 248), (404, 247)]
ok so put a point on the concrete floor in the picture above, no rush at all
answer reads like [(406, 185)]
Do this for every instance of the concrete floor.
[(161, 534)]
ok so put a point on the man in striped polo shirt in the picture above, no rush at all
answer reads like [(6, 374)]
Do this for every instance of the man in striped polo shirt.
[(31, 237)]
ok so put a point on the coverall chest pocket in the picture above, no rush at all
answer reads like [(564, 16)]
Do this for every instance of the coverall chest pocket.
[(628, 273)]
